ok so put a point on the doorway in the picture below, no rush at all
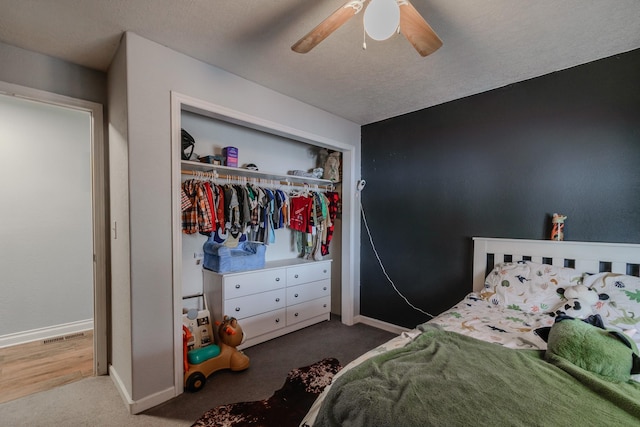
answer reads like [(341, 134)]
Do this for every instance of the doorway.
[(52, 228)]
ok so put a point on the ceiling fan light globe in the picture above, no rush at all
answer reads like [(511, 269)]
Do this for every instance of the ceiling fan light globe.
[(381, 19)]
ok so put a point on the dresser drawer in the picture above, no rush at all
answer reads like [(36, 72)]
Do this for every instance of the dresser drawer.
[(307, 310), (308, 273), (255, 326), (250, 283), (284, 297), (308, 291), (251, 305)]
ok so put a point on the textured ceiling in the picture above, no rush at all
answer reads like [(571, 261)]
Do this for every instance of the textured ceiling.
[(487, 44)]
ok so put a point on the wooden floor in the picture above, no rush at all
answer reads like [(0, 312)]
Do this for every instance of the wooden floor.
[(45, 364)]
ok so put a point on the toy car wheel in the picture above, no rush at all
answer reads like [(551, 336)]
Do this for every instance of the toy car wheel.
[(196, 381)]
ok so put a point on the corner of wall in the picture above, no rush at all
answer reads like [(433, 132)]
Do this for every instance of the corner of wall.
[(120, 334)]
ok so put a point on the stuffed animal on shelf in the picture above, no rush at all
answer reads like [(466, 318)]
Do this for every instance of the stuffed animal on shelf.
[(579, 303), (332, 167), (203, 362), (323, 155), (557, 221)]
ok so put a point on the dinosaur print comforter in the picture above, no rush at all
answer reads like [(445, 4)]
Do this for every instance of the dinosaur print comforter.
[(505, 325)]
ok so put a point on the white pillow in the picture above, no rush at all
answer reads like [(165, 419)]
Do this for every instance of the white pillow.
[(622, 307), (528, 286)]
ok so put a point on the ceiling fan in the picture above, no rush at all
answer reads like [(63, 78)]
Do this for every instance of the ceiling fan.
[(412, 26)]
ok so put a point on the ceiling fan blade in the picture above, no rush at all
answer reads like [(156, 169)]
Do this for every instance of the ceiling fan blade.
[(326, 27), (417, 31)]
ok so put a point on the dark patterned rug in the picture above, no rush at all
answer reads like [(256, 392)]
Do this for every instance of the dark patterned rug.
[(287, 406)]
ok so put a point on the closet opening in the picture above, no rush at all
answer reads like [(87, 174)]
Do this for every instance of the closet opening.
[(276, 150)]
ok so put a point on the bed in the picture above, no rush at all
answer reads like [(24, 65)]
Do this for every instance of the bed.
[(486, 361)]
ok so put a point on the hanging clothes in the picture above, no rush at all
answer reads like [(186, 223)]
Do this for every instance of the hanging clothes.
[(185, 203), (212, 206), (333, 199), (300, 219), (219, 202), (282, 207), (262, 203), (254, 208), (190, 212), (197, 218), (267, 217), (258, 211), (317, 225), (245, 210), (231, 206)]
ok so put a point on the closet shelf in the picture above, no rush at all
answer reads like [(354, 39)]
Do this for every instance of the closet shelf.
[(192, 168)]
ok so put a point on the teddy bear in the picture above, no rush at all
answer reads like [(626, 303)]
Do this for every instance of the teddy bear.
[(579, 303), (230, 335), (332, 167)]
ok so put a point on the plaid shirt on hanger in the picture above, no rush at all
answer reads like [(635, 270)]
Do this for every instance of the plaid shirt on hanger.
[(197, 218)]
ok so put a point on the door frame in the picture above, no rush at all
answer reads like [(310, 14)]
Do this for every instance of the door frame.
[(99, 212)]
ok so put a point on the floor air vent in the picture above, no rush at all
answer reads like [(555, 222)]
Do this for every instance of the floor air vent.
[(63, 338)]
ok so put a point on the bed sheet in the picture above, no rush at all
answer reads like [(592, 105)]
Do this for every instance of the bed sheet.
[(504, 325)]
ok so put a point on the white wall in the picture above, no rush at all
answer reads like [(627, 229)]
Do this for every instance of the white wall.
[(152, 72), (46, 243), (35, 70)]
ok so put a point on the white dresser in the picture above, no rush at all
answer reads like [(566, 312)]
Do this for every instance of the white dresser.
[(280, 298)]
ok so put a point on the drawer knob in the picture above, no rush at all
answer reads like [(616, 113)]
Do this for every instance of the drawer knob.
[(295, 295), (324, 271), (296, 276), (277, 279), (237, 286), (278, 320), (324, 305), (277, 299), (324, 288), (296, 314), (237, 308)]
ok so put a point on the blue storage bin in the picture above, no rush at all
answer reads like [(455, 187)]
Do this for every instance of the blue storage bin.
[(223, 259)]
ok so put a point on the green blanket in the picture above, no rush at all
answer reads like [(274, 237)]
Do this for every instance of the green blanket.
[(447, 379)]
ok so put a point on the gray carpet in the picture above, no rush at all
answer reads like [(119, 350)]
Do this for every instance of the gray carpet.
[(96, 402)]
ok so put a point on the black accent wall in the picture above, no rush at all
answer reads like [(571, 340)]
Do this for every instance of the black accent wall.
[(497, 164)]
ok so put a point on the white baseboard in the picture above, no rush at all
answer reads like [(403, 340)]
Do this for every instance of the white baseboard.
[(45, 333), (380, 324), (137, 406)]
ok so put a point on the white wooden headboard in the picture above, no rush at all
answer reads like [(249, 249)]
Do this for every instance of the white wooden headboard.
[(623, 258)]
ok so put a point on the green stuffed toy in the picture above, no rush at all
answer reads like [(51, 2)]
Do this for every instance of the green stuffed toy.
[(610, 354)]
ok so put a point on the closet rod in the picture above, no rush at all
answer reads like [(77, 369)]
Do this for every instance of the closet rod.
[(328, 187)]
